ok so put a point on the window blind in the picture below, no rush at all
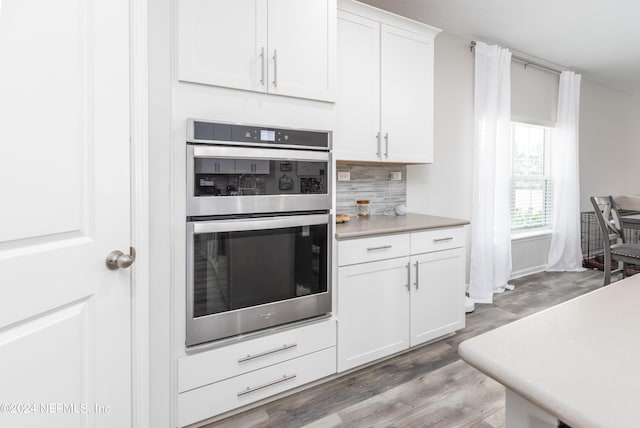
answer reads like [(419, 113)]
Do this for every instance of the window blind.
[(531, 199)]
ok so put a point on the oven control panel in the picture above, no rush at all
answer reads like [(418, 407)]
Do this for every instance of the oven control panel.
[(200, 131)]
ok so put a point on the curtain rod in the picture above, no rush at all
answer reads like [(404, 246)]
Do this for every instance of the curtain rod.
[(526, 62)]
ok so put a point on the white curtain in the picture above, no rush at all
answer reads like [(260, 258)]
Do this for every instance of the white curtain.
[(490, 230), (565, 253)]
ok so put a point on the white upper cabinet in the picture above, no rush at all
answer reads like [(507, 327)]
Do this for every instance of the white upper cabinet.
[(406, 95), (284, 47), (385, 87), (302, 48), (221, 42), (358, 107)]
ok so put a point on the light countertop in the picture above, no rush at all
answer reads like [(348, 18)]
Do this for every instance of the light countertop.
[(579, 361), (359, 227)]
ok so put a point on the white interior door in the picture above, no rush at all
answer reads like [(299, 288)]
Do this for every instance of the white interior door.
[(65, 319)]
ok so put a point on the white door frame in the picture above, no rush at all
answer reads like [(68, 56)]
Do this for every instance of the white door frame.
[(141, 411)]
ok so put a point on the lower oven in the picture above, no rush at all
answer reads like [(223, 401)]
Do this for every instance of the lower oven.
[(247, 273)]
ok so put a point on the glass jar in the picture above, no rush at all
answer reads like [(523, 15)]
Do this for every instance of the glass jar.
[(363, 207)]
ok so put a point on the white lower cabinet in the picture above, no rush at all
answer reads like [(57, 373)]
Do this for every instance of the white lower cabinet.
[(437, 294), (210, 400), (388, 305), (374, 311), (393, 292), (218, 380)]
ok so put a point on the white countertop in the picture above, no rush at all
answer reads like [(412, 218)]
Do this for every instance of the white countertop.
[(579, 361), (359, 227)]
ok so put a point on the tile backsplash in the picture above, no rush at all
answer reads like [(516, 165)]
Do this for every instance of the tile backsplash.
[(371, 182)]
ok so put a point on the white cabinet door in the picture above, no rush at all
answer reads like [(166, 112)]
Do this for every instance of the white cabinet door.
[(223, 43), (437, 294), (251, 166), (284, 47), (406, 96), (65, 319), (216, 166), (261, 167), (358, 100), (373, 307), (225, 166), (302, 45)]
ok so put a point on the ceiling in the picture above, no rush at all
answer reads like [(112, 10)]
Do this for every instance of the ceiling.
[(597, 38)]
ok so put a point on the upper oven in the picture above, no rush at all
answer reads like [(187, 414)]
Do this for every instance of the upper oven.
[(237, 169)]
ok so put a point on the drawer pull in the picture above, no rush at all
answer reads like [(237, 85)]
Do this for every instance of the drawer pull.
[(448, 238), (271, 351), (249, 390), (382, 247)]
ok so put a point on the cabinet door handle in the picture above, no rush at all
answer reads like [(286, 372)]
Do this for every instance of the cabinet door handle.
[(408, 276), (386, 145), (249, 390), (262, 66), (379, 145), (271, 351), (417, 265), (382, 247), (275, 68), (448, 238)]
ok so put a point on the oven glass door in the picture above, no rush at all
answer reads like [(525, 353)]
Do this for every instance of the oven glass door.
[(248, 263), (230, 180)]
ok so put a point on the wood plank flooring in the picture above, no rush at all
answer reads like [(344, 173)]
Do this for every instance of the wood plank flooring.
[(426, 387)]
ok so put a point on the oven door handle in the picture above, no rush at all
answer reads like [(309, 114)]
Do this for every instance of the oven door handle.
[(255, 153), (238, 225)]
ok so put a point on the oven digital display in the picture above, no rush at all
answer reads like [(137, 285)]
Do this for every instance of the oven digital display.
[(266, 135)]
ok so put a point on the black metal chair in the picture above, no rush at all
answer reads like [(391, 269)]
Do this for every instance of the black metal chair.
[(615, 247)]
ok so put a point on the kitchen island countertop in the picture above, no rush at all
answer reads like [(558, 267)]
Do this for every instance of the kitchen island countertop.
[(359, 227), (578, 361)]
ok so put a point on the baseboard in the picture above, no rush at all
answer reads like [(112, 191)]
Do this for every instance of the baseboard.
[(527, 271)]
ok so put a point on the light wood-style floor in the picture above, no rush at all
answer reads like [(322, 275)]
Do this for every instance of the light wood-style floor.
[(427, 387)]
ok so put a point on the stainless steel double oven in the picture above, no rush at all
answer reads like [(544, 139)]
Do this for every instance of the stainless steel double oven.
[(258, 228)]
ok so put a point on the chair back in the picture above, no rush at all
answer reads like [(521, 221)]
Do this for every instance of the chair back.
[(609, 219)]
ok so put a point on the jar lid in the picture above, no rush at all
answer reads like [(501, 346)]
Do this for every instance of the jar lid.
[(363, 202)]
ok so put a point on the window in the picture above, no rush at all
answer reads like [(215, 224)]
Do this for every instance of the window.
[(531, 187)]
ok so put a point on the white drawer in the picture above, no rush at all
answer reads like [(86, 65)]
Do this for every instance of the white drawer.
[(437, 240), (361, 250), (211, 400), (217, 364)]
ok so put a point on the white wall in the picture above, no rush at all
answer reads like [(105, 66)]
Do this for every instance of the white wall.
[(609, 143), (444, 187), (162, 369)]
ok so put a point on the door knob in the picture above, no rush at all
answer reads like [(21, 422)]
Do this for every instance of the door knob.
[(119, 260)]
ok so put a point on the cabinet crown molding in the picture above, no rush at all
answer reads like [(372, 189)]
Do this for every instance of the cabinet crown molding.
[(388, 18)]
